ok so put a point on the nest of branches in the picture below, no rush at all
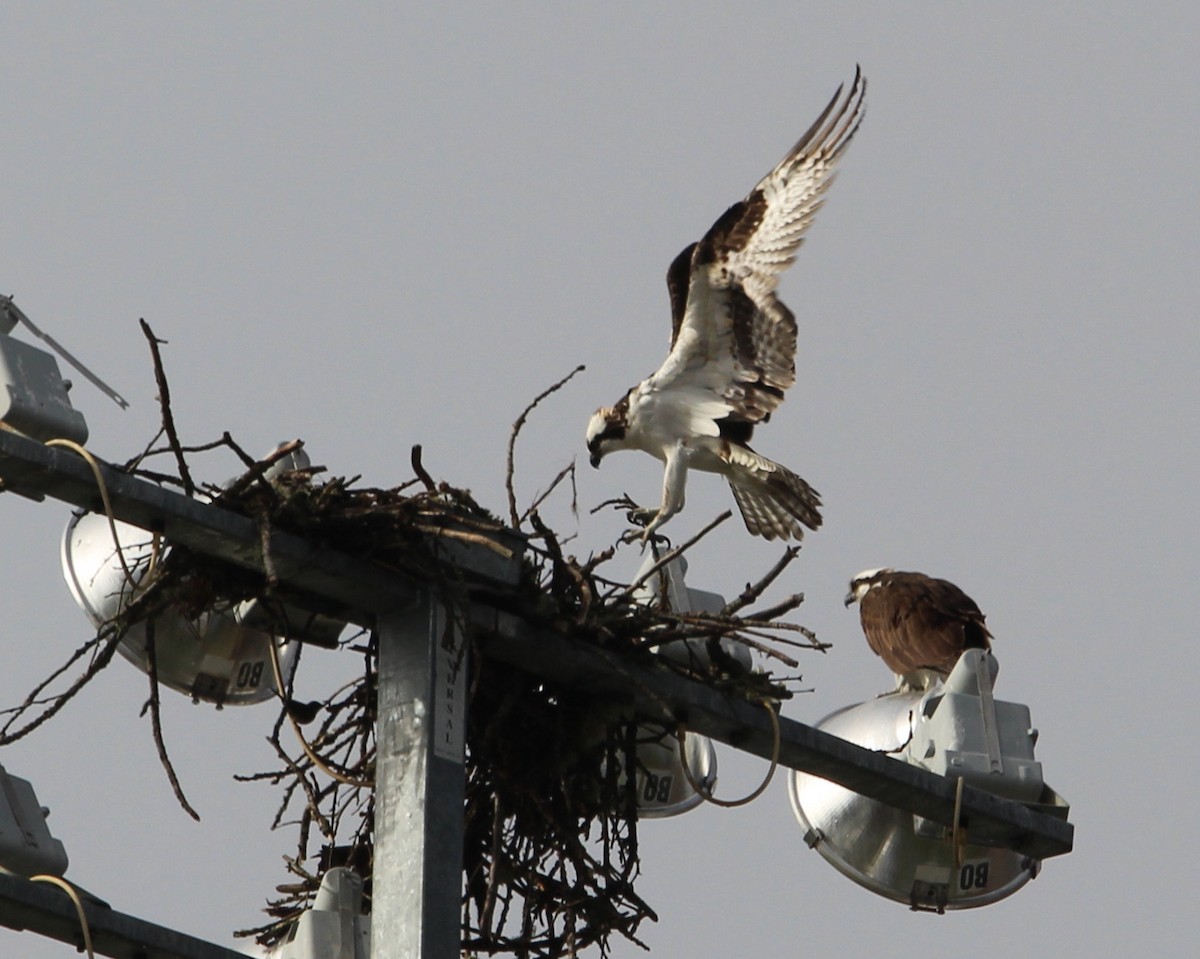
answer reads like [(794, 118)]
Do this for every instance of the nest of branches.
[(550, 855)]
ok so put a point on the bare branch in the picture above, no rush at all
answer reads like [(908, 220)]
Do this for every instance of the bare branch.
[(755, 590), (156, 722), (512, 441), (164, 402), (419, 469)]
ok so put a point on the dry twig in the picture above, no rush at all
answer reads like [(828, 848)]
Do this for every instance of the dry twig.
[(156, 723), (509, 479)]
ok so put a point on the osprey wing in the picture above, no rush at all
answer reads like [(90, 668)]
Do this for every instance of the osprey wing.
[(730, 333)]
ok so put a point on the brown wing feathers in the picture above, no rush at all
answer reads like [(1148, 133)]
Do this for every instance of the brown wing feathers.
[(914, 622)]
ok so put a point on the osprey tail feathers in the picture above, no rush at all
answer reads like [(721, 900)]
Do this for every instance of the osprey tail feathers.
[(775, 502)]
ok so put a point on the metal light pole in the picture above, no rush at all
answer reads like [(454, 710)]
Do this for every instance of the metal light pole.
[(417, 874)]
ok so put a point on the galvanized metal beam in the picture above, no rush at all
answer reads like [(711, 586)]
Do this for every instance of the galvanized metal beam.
[(365, 590), (335, 583), (659, 693), (46, 911)]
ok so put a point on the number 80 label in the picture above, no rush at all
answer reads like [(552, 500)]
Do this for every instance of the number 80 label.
[(249, 674), (656, 788), (973, 875)]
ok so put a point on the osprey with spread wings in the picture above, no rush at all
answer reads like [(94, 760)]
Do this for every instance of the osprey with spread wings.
[(733, 343)]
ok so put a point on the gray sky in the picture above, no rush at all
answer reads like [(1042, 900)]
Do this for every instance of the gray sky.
[(371, 229)]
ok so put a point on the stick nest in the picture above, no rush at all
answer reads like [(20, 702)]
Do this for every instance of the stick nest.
[(550, 854)]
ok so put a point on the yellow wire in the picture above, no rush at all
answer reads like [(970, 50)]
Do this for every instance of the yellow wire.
[(956, 836), (75, 898), (134, 583), (681, 733), (317, 761)]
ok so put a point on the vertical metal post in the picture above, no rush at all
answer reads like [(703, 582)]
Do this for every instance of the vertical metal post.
[(417, 875)]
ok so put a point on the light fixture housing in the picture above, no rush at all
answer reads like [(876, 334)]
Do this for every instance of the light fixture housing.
[(215, 656), (33, 394), (664, 787), (26, 846), (955, 729)]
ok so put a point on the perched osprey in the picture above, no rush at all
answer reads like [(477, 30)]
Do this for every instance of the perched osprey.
[(917, 624), (733, 344)]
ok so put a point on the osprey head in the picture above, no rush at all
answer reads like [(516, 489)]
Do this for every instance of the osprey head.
[(606, 430), (864, 581)]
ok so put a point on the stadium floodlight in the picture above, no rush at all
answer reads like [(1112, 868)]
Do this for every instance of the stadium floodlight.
[(213, 657), (956, 729), (664, 787), (223, 654)]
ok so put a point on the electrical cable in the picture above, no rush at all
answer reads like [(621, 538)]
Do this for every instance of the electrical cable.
[(957, 838), (79, 910), (316, 760), (705, 794), (135, 584)]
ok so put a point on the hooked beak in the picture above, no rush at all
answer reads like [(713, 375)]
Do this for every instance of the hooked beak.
[(595, 460), (850, 599)]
